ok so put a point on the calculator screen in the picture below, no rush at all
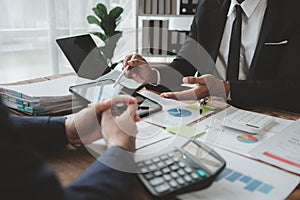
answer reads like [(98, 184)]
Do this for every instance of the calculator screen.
[(202, 156)]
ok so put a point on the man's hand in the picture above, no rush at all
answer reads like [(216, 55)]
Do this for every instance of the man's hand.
[(207, 85), (84, 126), (139, 69), (120, 130)]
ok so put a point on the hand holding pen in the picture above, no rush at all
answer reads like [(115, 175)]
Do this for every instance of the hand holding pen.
[(123, 72)]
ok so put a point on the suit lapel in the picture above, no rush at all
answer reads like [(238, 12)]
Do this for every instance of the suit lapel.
[(219, 16), (270, 17)]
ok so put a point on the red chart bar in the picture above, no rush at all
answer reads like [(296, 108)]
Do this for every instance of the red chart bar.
[(281, 159)]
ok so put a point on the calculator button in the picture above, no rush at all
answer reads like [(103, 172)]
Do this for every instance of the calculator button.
[(194, 175), (176, 159), (187, 178), (180, 181), (201, 173), (174, 174), (167, 177), (156, 181), (188, 169), (160, 165), (152, 167), (156, 159), (174, 167), (144, 170), (181, 164), (173, 183), (157, 173), (162, 188), (149, 176), (166, 170), (171, 154), (168, 162), (181, 172), (148, 162), (164, 157)]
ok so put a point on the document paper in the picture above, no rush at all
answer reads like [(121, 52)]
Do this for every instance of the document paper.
[(235, 140), (282, 150), (247, 179)]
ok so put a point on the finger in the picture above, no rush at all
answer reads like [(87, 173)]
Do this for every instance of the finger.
[(104, 105), (137, 118), (136, 62), (194, 80), (127, 58), (184, 95)]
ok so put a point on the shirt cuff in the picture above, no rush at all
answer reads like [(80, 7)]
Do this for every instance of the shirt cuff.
[(158, 80), (119, 159)]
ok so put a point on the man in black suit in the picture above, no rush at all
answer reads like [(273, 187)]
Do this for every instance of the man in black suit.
[(25, 176), (267, 71)]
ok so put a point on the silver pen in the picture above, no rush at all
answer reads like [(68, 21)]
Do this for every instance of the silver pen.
[(123, 72)]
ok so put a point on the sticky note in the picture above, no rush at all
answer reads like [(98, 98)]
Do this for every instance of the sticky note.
[(196, 107), (185, 131)]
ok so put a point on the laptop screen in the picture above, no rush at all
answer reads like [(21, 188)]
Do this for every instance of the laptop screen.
[(84, 56)]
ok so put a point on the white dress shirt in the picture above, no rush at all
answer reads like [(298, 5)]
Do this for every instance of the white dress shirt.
[(252, 18)]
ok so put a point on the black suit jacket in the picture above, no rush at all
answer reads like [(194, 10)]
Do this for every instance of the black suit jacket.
[(274, 74), (25, 176)]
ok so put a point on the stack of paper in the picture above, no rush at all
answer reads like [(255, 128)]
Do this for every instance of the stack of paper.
[(41, 98)]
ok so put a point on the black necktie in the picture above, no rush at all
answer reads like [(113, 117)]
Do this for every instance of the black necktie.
[(235, 46)]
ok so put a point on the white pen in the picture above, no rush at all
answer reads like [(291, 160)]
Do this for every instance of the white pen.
[(122, 73)]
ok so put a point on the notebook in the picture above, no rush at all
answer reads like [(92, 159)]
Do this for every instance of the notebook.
[(88, 61)]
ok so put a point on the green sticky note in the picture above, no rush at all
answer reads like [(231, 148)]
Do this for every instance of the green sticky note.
[(185, 131), (196, 107)]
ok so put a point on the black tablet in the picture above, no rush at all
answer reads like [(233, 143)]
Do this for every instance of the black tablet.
[(95, 91)]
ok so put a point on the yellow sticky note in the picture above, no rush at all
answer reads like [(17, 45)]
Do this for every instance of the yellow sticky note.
[(196, 107), (185, 131)]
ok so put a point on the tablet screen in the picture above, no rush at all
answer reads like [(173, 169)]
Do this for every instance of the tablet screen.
[(95, 91)]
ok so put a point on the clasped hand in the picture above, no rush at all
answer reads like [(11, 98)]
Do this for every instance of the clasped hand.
[(97, 121)]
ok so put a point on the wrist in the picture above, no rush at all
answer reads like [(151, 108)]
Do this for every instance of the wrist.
[(126, 144), (227, 88), (71, 132)]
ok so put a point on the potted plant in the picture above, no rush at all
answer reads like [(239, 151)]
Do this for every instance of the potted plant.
[(107, 22)]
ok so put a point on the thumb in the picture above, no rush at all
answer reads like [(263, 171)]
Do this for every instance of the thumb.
[(106, 116), (131, 111), (127, 122), (102, 106)]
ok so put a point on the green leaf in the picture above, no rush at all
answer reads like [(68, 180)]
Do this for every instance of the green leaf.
[(98, 13), (108, 25), (93, 20), (102, 10), (100, 35), (116, 12)]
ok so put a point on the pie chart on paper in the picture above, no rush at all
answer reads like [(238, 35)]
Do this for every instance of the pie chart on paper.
[(176, 112), (249, 139)]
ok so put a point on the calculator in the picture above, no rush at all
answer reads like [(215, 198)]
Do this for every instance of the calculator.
[(194, 166), (248, 121)]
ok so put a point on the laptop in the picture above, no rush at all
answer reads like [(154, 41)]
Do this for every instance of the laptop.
[(86, 59)]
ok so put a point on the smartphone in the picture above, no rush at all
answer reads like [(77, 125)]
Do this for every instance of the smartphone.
[(95, 91)]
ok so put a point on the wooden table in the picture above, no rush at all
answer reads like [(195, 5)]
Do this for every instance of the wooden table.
[(70, 162)]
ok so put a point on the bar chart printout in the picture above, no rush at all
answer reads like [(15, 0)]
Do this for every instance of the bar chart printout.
[(247, 179)]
